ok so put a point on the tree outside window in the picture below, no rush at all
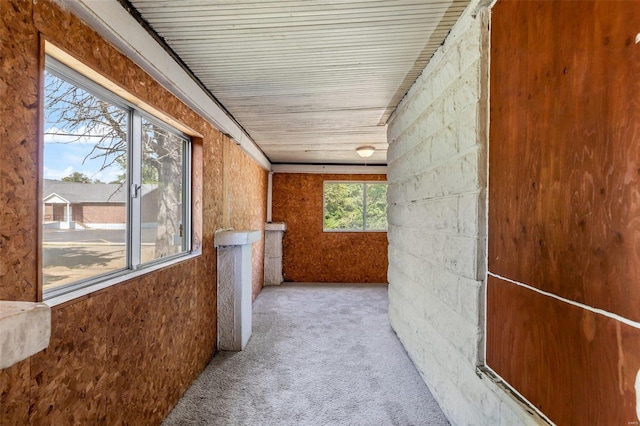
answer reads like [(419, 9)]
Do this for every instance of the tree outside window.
[(114, 183), (355, 206)]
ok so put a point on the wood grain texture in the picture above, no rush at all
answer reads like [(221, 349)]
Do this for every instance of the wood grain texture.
[(565, 159), (125, 354), (311, 255), (576, 366), (564, 205)]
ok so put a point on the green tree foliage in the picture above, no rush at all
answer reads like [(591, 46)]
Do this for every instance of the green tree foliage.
[(344, 206), (376, 206), (80, 178)]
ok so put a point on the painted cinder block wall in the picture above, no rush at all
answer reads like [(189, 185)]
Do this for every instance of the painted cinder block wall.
[(126, 354), (558, 87), (311, 255), (437, 170)]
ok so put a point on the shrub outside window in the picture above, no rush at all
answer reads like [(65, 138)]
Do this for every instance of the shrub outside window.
[(115, 185), (355, 206)]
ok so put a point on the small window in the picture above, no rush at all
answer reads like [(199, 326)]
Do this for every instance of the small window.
[(115, 185), (355, 206)]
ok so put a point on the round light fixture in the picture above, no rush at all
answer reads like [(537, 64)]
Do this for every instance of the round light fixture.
[(365, 151)]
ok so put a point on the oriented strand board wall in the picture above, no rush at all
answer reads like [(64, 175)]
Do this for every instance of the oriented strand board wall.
[(311, 255), (564, 206), (123, 355), (246, 203)]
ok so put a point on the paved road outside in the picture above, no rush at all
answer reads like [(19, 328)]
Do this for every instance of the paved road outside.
[(114, 236)]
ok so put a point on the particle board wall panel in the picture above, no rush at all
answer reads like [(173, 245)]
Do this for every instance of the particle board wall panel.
[(311, 255), (242, 174), (68, 379), (577, 366), (197, 202), (213, 175), (206, 306), (14, 394), (160, 366), (18, 185), (181, 331), (565, 158), (18, 152), (131, 381), (154, 333)]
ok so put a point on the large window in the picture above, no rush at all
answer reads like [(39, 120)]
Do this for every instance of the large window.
[(355, 206), (115, 185)]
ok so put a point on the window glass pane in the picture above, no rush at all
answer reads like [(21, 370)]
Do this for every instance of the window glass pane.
[(376, 206), (84, 197), (343, 206), (161, 205)]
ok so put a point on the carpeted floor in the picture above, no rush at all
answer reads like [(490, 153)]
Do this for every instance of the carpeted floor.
[(319, 355)]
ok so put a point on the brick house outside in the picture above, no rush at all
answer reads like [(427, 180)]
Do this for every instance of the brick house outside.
[(70, 205)]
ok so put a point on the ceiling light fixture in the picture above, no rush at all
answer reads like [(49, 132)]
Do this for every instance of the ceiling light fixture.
[(365, 151)]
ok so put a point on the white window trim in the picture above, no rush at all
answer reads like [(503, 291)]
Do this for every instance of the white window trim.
[(364, 207), (64, 293)]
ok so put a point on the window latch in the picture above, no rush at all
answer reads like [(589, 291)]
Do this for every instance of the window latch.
[(134, 190), (181, 229)]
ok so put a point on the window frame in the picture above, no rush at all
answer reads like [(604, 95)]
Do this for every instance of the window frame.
[(133, 266), (364, 205), (186, 195)]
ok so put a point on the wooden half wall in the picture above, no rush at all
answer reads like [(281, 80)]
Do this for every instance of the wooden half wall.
[(311, 255), (563, 311), (123, 355)]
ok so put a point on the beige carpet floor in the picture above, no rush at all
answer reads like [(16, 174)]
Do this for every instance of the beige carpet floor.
[(320, 354)]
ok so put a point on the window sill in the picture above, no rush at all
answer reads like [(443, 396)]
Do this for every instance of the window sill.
[(84, 291)]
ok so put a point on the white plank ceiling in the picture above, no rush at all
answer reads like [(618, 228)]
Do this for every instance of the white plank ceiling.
[(308, 80)]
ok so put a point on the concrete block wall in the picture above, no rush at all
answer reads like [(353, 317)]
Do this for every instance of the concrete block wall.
[(273, 254), (437, 168)]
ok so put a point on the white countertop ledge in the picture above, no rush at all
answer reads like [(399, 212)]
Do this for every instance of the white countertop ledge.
[(236, 237), (25, 329)]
